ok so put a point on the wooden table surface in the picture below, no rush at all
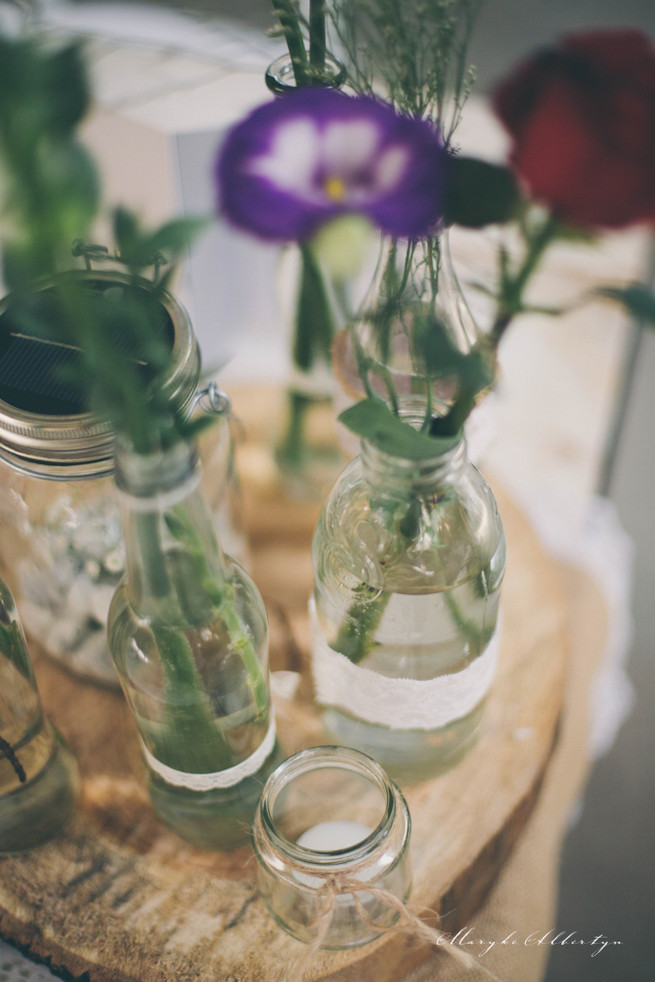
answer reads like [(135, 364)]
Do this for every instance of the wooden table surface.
[(118, 897)]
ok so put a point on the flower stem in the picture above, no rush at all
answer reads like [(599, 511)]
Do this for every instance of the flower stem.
[(313, 326), (357, 629), (317, 33), (512, 287), (290, 24)]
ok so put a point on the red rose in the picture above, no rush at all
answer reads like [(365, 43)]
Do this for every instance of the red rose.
[(582, 116)]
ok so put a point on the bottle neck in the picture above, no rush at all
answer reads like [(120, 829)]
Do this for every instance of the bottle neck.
[(397, 476), (175, 567)]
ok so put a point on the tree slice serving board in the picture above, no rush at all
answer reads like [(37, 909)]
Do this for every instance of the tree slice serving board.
[(117, 898)]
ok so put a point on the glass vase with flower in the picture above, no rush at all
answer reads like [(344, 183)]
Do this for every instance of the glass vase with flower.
[(409, 550), (311, 159), (188, 633), (306, 452)]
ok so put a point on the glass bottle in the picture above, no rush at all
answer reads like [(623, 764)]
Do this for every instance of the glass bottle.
[(408, 559), (414, 322), (306, 452), (38, 775), (188, 634), (330, 816)]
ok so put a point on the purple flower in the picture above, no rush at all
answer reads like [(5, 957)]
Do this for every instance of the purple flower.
[(306, 158)]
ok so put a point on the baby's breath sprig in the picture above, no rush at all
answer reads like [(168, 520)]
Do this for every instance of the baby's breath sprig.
[(417, 52)]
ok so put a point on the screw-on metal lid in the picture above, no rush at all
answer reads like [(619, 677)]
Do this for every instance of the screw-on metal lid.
[(43, 428)]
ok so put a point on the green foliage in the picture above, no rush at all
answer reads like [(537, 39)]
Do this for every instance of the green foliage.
[(371, 419), (479, 193), (49, 184), (49, 197)]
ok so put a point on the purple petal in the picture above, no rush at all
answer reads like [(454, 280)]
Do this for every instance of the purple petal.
[(353, 155)]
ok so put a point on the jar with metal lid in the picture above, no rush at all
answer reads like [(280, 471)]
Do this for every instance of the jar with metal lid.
[(61, 548)]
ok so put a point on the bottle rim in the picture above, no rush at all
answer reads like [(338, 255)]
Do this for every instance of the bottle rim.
[(280, 78), (352, 857)]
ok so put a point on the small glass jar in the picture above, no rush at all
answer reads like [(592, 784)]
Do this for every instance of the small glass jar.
[(39, 780), (330, 819)]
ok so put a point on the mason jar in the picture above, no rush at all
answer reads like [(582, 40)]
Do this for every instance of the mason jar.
[(61, 548), (331, 836)]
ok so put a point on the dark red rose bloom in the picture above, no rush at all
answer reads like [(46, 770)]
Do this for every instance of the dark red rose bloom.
[(582, 118)]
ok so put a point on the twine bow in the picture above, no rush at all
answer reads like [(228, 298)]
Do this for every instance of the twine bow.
[(408, 922)]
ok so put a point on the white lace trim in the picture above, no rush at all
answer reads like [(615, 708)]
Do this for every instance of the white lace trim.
[(220, 779), (399, 703)]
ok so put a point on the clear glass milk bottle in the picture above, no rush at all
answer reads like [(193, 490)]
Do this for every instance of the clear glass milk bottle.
[(188, 634), (409, 557), (38, 775)]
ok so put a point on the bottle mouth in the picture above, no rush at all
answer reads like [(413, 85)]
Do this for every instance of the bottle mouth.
[(174, 471), (328, 810), (280, 75), (412, 410)]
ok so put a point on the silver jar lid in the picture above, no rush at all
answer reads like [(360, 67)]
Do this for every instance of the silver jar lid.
[(41, 432)]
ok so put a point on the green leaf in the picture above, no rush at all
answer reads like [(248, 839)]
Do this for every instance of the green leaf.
[(70, 181), (66, 89), (127, 235), (637, 299), (372, 420), (443, 359), (479, 193), (176, 236)]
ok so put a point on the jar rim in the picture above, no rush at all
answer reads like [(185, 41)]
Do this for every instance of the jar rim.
[(80, 445), (331, 757)]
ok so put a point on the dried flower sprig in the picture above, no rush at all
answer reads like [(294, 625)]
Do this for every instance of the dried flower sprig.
[(413, 54)]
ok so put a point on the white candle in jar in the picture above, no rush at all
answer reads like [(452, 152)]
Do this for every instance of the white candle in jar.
[(328, 836)]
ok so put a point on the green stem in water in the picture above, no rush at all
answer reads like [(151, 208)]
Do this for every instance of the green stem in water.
[(200, 585), (13, 646), (357, 629), (190, 740), (291, 452)]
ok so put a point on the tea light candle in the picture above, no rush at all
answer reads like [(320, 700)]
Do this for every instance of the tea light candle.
[(328, 836)]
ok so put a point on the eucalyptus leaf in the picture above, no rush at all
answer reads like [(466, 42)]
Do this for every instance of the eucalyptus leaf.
[(372, 420), (176, 236)]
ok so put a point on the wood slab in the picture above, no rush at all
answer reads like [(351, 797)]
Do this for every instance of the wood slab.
[(117, 898)]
